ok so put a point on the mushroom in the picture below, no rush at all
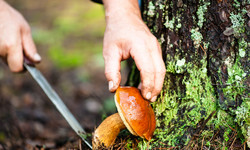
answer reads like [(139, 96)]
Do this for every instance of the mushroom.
[(134, 113)]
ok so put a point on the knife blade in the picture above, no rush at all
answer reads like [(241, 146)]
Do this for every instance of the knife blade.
[(57, 101)]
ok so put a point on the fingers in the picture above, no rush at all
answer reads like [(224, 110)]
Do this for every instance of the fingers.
[(29, 46), (15, 56), (145, 65), (152, 70), (23, 42), (159, 73), (15, 39), (112, 59)]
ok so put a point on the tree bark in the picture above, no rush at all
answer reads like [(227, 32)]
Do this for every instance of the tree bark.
[(205, 98)]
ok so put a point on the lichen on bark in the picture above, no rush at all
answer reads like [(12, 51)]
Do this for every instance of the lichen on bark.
[(206, 88)]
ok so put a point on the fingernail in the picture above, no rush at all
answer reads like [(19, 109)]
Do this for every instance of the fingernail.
[(111, 85), (148, 96), (139, 86), (37, 57), (154, 99)]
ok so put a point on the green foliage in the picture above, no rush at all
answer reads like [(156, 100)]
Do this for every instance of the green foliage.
[(129, 144), (109, 106), (64, 59), (73, 35), (144, 145)]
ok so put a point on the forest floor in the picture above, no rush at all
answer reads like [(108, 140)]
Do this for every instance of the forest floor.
[(68, 35)]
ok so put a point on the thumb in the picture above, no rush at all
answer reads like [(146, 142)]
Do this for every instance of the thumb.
[(112, 60)]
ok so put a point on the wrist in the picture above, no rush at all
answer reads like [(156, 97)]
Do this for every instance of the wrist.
[(115, 10)]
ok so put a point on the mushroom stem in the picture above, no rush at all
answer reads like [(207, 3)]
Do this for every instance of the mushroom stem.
[(107, 131)]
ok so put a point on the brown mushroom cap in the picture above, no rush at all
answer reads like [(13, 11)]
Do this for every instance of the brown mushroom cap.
[(136, 112)]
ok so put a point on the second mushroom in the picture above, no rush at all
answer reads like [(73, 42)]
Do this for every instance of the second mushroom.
[(134, 113)]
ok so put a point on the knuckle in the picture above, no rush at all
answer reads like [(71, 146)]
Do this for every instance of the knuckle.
[(9, 45), (111, 74), (147, 85), (147, 69), (107, 73), (106, 56), (161, 70), (139, 45), (158, 90), (27, 29)]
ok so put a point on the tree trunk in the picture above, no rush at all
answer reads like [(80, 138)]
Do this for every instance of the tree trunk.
[(205, 98)]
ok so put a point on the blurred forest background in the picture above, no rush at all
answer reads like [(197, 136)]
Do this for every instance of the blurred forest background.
[(68, 35)]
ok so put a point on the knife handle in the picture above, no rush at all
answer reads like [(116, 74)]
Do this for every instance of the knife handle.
[(27, 61)]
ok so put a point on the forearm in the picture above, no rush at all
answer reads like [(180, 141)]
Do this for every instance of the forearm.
[(118, 9)]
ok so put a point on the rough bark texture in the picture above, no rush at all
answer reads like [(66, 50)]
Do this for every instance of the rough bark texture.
[(205, 98)]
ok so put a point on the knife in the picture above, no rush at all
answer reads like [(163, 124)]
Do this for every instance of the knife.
[(56, 100)]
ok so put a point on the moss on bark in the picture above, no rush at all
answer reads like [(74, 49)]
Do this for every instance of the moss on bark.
[(206, 89)]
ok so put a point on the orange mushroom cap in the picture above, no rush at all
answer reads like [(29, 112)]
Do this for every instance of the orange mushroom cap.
[(136, 112)]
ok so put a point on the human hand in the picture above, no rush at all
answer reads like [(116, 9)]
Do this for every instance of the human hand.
[(127, 36), (15, 38)]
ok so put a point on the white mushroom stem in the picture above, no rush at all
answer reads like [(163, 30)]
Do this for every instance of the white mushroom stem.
[(107, 131)]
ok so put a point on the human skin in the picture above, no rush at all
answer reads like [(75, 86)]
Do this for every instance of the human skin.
[(126, 36), (15, 38)]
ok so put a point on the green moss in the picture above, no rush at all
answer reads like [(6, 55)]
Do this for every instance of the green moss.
[(169, 24), (151, 9), (189, 97), (197, 37), (198, 102), (170, 67), (161, 40), (144, 145), (236, 78), (175, 65), (238, 22), (199, 90), (129, 144), (243, 47), (201, 12), (236, 4), (174, 23), (242, 113)]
